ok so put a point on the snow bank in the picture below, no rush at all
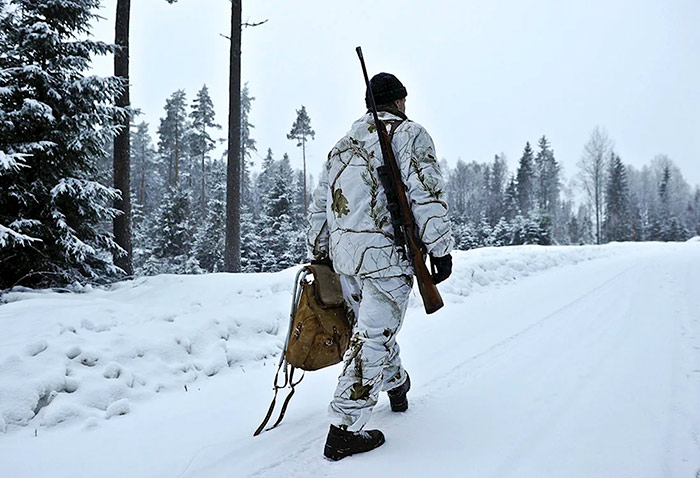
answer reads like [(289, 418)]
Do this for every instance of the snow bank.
[(95, 355), (494, 266)]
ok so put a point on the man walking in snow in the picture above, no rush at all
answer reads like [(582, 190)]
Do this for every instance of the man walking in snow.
[(351, 227)]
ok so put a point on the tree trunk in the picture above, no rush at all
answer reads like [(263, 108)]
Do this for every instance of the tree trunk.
[(303, 155), (204, 200), (142, 193), (122, 223), (232, 252), (243, 198), (177, 152)]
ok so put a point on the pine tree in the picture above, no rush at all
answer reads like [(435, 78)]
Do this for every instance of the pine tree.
[(247, 145), (525, 181), (202, 116), (122, 156), (54, 124), (300, 132), (145, 180), (172, 132)]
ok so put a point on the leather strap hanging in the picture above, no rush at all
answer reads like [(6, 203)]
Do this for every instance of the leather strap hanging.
[(288, 380)]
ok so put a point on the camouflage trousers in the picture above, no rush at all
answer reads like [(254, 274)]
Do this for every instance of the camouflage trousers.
[(371, 363)]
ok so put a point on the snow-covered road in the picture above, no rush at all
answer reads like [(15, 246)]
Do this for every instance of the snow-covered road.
[(586, 369)]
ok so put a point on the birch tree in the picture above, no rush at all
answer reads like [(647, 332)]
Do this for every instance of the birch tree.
[(592, 174)]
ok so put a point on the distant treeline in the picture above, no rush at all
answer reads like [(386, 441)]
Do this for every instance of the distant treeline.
[(57, 200)]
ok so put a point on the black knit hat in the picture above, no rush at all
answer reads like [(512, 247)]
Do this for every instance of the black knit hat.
[(386, 88)]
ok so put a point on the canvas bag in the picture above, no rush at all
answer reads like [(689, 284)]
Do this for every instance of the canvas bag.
[(319, 330)]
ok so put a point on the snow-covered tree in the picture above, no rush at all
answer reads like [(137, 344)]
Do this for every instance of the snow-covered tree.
[(173, 234), (592, 174), (209, 239), (616, 224), (525, 181), (54, 122), (547, 179), (495, 192), (202, 143), (145, 180), (172, 134), (248, 144)]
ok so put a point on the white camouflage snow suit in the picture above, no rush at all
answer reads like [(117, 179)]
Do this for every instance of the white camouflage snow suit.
[(350, 223)]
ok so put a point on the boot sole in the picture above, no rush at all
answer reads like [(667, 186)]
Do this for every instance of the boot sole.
[(340, 453)]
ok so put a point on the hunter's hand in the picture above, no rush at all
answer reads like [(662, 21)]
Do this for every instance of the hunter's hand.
[(442, 267)]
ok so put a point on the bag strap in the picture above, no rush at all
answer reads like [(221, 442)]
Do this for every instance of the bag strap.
[(288, 369), (292, 384), (288, 380)]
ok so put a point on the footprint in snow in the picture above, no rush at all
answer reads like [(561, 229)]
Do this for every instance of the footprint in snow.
[(120, 407), (112, 370), (89, 359), (36, 348)]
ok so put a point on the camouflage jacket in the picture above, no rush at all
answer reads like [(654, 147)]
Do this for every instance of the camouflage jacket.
[(348, 217)]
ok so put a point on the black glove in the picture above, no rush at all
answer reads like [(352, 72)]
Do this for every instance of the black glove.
[(442, 267), (323, 261)]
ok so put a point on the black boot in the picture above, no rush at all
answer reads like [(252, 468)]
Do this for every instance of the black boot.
[(341, 443), (398, 398)]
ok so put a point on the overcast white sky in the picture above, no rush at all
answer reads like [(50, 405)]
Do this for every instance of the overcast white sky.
[(482, 76)]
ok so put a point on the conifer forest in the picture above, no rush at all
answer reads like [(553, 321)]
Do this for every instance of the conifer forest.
[(60, 191)]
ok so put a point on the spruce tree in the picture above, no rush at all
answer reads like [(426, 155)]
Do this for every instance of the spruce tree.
[(496, 189), (547, 179), (616, 224), (209, 240), (525, 181), (511, 208), (174, 232), (54, 123)]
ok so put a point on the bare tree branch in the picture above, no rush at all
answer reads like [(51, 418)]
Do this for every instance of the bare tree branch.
[(246, 24)]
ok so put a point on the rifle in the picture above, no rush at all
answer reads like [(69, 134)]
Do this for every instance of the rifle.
[(405, 230)]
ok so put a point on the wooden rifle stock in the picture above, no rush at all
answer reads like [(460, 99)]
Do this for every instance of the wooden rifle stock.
[(432, 301)]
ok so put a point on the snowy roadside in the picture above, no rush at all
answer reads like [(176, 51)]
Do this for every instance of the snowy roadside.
[(87, 357)]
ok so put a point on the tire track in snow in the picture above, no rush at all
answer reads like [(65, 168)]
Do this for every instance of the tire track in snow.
[(444, 381)]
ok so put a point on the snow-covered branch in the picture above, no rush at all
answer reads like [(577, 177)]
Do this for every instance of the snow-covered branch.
[(9, 238)]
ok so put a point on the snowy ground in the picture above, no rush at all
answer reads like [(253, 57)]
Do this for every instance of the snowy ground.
[(545, 361)]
